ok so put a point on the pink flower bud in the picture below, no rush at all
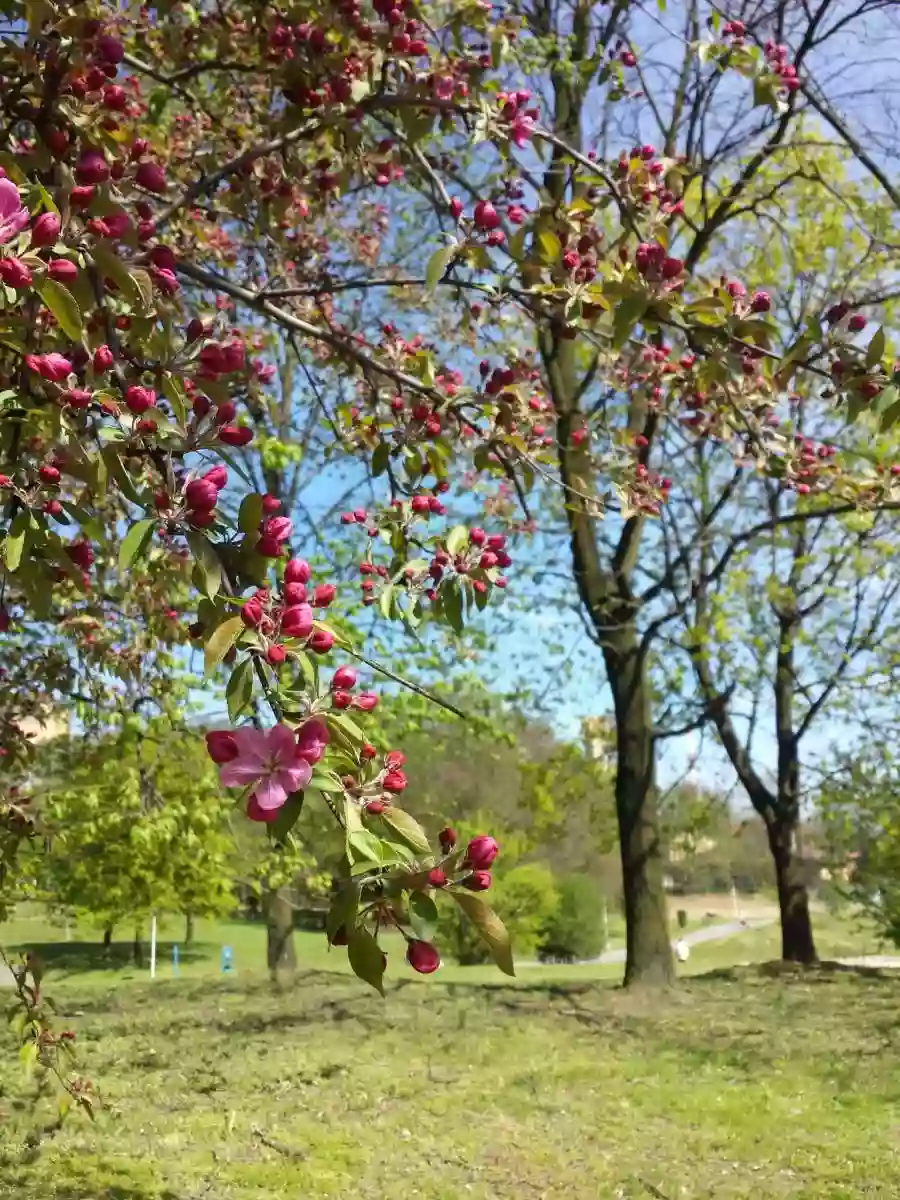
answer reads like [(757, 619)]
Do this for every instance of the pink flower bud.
[(62, 270), (294, 593), (341, 699), (201, 493), (321, 641), (761, 302), (49, 474), (486, 216), (344, 678), (103, 359), (437, 878), (236, 435), (279, 528), (164, 258), (477, 537), (81, 197), (276, 655), (376, 807), (45, 230), (217, 476), (323, 594), (77, 397), (109, 48), (856, 323), (251, 613), (268, 546), (54, 367), (221, 746), (394, 759), (270, 504), (423, 957), (139, 399), (478, 881), (91, 167), (15, 273), (456, 208), (312, 738), (151, 176), (394, 782), (255, 813), (366, 701), (297, 621), (194, 330), (481, 852), (297, 571)]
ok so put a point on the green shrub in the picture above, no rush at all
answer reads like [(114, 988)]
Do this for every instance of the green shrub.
[(576, 928), (525, 898)]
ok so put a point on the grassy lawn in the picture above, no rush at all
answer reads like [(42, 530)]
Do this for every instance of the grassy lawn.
[(745, 1083)]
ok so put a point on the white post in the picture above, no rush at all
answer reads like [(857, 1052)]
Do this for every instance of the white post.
[(153, 946)]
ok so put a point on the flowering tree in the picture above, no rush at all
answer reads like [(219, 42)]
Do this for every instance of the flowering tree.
[(192, 187)]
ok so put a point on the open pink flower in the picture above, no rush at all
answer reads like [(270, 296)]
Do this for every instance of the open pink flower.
[(13, 217), (267, 760)]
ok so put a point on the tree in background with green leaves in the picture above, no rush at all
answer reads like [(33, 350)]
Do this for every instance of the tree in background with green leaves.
[(138, 825)]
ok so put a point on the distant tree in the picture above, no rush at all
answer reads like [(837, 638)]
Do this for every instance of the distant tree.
[(138, 825)]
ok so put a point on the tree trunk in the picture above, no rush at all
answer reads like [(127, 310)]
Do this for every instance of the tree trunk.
[(188, 928), (107, 938), (797, 943), (137, 948), (649, 952), (280, 950)]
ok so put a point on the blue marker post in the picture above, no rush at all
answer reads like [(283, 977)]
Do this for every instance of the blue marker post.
[(227, 960), (175, 961)]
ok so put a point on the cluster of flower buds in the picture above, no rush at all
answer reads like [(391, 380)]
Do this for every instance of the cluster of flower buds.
[(642, 178), (777, 59), (736, 30), (519, 114), (200, 497), (375, 790), (471, 870), (288, 615), (656, 266)]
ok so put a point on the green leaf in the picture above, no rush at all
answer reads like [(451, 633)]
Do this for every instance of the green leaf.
[(207, 559), (549, 245), (437, 265), (28, 1057), (14, 545), (457, 539), (491, 928), (63, 305), (288, 816), (451, 606), (875, 352), (239, 690), (343, 910), (385, 601), (250, 513), (111, 267), (407, 828), (366, 958), (135, 542), (628, 312), (380, 459), (325, 781), (423, 915), (516, 244), (349, 726), (220, 642), (365, 845)]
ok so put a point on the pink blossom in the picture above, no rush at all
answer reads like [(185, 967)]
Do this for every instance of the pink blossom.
[(13, 217), (312, 738), (520, 130), (267, 761), (443, 87)]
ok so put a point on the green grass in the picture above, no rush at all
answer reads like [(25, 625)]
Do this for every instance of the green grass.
[(746, 1083)]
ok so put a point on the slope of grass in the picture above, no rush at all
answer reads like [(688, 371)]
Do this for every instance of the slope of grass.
[(739, 1086)]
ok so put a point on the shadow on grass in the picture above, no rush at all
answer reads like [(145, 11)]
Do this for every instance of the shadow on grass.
[(74, 958)]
